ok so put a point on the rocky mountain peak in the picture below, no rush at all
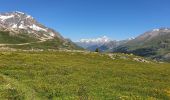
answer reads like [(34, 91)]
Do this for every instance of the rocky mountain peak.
[(19, 22), (153, 33)]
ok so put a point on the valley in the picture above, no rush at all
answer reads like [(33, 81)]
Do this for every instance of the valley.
[(37, 63), (153, 44)]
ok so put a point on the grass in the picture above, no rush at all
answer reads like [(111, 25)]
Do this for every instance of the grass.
[(58, 75), (155, 48), (56, 43), (49, 44), (7, 38)]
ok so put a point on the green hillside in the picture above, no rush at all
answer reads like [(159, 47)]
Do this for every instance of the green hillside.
[(157, 47), (81, 76), (7, 38), (20, 40), (49, 44)]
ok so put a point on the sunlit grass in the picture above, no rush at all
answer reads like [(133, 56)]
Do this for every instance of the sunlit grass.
[(73, 75)]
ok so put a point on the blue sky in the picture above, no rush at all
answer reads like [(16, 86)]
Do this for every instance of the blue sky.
[(76, 19)]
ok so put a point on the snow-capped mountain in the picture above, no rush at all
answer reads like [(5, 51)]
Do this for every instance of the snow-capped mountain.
[(153, 33), (103, 39), (19, 22), (153, 44), (103, 43), (93, 41), (19, 30)]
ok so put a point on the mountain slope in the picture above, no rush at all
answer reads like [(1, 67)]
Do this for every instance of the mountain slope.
[(20, 28), (107, 47), (154, 44), (17, 22)]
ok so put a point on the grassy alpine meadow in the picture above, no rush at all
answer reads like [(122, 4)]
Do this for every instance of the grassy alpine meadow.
[(59, 75)]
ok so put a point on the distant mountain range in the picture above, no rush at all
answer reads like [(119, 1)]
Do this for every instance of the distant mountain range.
[(97, 42), (103, 43), (22, 29), (154, 44)]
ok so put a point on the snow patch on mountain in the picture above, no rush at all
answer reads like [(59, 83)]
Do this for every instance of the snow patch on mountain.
[(52, 34), (103, 39), (3, 17), (22, 26), (85, 43), (28, 16), (131, 38), (19, 22), (14, 26), (19, 12), (37, 28), (155, 29)]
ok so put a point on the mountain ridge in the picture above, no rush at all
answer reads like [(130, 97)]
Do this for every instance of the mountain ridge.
[(102, 43), (21, 28), (20, 22), (154, 44)]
